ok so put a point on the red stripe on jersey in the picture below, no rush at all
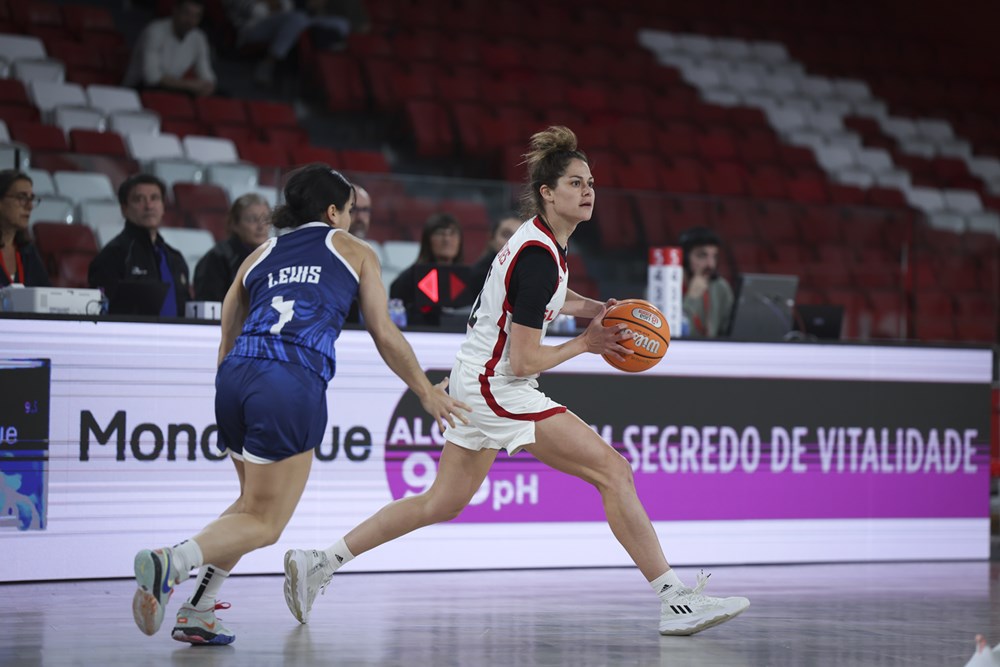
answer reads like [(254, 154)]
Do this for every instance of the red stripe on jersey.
[(484, 378), (484, 386)]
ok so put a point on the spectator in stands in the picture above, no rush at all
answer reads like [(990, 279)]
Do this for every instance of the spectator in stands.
[(249, 224), (139, 257), (361, 216), (173, 53), (501, 230), (18, 257), (361, 220), (278, 24), (440, 243), (708, 298)]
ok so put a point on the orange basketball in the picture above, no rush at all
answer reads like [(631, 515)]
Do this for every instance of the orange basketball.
[(651, 334)]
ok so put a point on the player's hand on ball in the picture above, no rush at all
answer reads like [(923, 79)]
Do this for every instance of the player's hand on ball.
[(607, 340)]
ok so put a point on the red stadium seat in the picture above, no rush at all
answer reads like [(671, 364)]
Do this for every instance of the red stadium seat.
[(808, 189), (654, 216), (726, 179), (766, 182), (97, 143), (271, 114), (39, 137), (301, 155), (615, 222), (340, 79), (263, 154), (169, 105), (717, 144), (224, 131), (83, 19), (66, 251), (683, 176), (12, 92), (183, 127), (218, 110), (212, 221), (194, 198), (431, 128), (365, 161), (288, 136)]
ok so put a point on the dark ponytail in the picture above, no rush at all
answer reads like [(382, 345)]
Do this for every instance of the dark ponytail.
[(308, 193)]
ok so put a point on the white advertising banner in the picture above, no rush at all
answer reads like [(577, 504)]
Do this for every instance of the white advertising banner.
[(131, 460)]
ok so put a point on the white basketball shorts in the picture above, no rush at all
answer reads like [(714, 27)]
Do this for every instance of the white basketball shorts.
[(504, 410)]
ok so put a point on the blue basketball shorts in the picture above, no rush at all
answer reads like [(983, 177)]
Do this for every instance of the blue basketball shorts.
[(268, 410)]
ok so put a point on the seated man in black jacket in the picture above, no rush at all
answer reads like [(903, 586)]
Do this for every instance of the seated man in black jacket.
[(249, 224), (139, 254)]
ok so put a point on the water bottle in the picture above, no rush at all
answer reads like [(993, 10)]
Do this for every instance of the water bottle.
[(397, 312)]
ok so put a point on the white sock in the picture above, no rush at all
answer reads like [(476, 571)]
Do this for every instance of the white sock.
[(666, 584), (210, 580), (187, 556), (339, 555)]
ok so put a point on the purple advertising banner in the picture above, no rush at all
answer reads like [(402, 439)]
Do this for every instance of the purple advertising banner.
[(738, 448)]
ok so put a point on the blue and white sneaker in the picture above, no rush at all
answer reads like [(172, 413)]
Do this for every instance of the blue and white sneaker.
[(202, 627), (155, 576)]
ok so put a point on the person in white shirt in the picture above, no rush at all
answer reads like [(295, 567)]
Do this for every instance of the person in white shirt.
[(173, 53)]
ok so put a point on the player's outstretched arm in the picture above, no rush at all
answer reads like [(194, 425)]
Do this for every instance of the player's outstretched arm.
[(396, 351), (577, 305), (528, 356)]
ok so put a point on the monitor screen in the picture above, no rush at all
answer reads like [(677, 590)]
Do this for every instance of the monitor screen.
[(819, 321), (763, 308), (137, 297)]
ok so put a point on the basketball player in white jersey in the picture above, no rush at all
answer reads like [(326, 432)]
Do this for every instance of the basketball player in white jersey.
[(495, 373)]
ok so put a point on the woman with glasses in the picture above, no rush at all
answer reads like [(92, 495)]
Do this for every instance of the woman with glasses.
[(249, 224), (440, 243), (19, 261)]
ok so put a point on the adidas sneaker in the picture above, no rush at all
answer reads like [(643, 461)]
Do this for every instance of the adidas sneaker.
[(686, 611), (306, 574)]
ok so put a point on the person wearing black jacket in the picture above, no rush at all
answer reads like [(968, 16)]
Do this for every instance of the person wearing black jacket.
[(19, 260), (249, 224), (139, 254)]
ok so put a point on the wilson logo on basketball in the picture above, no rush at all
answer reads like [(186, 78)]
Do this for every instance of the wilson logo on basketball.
[(646, 316), (642, 341)]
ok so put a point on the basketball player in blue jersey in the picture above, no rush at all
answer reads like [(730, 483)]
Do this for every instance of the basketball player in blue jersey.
[(280, 322), (495, 371)]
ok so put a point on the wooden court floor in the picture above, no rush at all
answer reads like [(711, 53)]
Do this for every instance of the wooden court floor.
[(824, 615)]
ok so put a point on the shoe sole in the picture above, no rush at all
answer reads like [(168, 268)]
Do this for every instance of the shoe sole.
[(200, 637), (295, 588), (703, 625), (147, 605)]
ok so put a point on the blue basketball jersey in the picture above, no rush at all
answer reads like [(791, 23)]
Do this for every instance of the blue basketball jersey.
[(301, 290)]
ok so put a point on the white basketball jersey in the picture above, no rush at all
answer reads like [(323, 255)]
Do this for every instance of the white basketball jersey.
[(487, 345)]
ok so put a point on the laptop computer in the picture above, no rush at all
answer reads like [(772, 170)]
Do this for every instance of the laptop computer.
[(820, 321), (763, 307), (137, 297)]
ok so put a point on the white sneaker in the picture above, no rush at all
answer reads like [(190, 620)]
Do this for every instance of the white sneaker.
[(306, 574), (687, 611)]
